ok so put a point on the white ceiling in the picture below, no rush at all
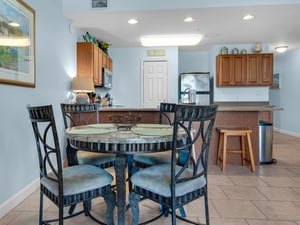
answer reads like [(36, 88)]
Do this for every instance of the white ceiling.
[(273, 25)]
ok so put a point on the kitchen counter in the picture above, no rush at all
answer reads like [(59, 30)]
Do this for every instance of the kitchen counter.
[(241, 114), (230, 114), (124, 109), (246, 106), (223, 106)]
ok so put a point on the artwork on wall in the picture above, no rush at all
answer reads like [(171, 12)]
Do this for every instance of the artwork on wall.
[(276, 81), (17, 43)]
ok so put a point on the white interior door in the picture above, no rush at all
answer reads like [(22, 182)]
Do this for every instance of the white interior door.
[(155, 83)]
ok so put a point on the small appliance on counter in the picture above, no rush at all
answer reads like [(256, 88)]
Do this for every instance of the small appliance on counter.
[(107, 78), (195, 88)]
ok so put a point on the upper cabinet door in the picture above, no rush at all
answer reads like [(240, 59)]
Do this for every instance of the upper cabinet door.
[(266, 62), (238, 71), (224, 71), (253, 69)]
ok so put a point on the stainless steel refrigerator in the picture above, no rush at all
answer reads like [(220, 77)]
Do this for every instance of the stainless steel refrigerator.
[(200, 83)]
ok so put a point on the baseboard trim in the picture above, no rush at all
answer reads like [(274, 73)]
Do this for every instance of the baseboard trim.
[(287, 132), (11, 203)]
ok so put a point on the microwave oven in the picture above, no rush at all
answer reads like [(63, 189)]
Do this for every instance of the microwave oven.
[(107, 78)]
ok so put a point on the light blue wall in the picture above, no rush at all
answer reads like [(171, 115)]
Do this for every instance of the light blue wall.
[(127, 72), (55, 58), (193, 61), (287, 65)]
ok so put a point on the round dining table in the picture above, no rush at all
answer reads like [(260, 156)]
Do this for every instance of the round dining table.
[(123, 141)]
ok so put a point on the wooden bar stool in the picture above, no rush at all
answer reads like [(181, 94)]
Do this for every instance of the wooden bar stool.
[(224, 133)]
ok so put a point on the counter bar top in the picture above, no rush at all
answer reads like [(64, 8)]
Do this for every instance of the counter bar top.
[(246, 106), (126, 109), (223, 106)]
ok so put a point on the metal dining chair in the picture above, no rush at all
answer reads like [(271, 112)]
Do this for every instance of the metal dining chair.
[(84, 114), (166, 115), (173, 185), (70, 185)]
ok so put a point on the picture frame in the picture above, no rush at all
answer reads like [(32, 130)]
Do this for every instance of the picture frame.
[(276, 81), (17, 43)]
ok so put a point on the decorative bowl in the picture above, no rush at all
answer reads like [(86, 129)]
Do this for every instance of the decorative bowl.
[(124, 121), (257, 49)]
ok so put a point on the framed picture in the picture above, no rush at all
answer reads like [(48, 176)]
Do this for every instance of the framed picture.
[(17, 43), (276, 81)]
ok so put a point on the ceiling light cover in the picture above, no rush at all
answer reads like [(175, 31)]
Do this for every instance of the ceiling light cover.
[(248, 17), (132, 21), (189, 19), (281, 49), (171, 40)]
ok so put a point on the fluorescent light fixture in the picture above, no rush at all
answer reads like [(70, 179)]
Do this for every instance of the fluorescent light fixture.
[(14, 41), (189, 19), (171, 40), (248, 17), (132, 21), (281, 49)]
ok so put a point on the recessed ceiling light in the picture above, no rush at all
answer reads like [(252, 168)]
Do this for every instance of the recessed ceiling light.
[(189, 19), (132, 21), (171, 40), (248, 17), (281, 49)]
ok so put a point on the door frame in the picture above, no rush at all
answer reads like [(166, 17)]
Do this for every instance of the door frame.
[(154, 59)]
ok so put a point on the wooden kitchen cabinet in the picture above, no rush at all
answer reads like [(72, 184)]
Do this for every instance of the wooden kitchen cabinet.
[(245, 70), (91, 60), (107, 62)]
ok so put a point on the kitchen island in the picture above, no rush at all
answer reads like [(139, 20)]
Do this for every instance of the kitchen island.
[(230, 115), (240, 115)]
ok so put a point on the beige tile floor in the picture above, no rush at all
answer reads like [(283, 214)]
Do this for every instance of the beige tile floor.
[(270, 196)]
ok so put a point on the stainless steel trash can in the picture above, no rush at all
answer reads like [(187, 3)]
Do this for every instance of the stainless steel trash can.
[(266, 142)]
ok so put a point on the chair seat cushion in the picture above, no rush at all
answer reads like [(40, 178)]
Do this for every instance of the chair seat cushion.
[(78, 179), (94, 158), (157, 179), (154, 158)]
